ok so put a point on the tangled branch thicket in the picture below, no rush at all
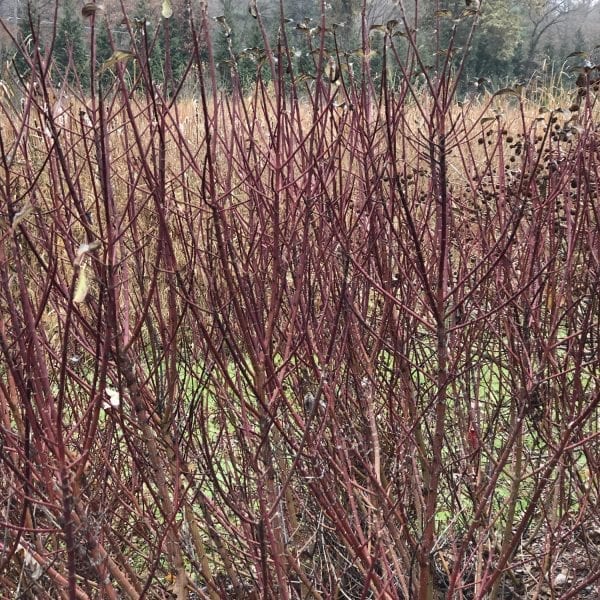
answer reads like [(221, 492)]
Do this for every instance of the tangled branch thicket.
[(328, 339)]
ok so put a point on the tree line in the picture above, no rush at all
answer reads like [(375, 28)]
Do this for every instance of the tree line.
[(514, 40)]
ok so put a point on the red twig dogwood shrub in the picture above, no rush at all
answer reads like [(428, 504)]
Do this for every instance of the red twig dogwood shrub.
[(334, 338)]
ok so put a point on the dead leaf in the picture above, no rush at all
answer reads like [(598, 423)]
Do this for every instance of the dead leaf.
[(21, 215), (91, 8), (116, 57), (378, 27), (167, 9), (507, 91), (82, 286), (84, 249)]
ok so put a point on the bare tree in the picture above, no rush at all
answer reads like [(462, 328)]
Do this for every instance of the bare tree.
[(545, 15)]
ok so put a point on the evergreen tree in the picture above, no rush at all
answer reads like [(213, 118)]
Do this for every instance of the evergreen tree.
[(103, 42), (28, 36), (176, 35), (104, 49), (149, 40), (70, 50), (497, 41), (345, 17)]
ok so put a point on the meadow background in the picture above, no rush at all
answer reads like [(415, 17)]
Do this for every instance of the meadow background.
[(298, 319)]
